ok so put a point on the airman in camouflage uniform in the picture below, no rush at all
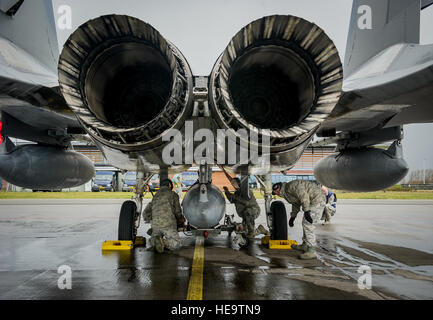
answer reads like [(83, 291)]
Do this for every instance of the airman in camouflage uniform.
[(331, 205), (309, 196), (164, 213), (247, 209)]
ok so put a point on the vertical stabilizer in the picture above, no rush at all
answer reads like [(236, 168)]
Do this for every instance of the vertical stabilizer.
[(30, 26), (392, 22)]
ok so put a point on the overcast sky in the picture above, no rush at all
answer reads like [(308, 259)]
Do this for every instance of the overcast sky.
[(201, 29)]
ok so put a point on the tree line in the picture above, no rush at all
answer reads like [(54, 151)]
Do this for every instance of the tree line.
[(417, 177)]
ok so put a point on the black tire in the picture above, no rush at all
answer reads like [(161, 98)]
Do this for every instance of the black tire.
[(279, 221), (128, 215)]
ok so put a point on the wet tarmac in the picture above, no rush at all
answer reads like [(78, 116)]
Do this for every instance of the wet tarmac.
[(392, 237)]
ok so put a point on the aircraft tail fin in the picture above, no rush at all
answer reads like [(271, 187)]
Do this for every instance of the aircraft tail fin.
[(30, 25), (377, 25)]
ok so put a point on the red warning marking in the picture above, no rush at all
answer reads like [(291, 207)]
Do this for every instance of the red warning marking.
[(1, 138)]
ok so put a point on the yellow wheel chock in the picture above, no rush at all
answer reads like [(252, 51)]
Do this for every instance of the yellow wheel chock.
[(278, 244), (118, 245)]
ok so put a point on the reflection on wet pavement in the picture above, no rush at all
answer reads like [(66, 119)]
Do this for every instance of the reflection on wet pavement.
[(36, 239)]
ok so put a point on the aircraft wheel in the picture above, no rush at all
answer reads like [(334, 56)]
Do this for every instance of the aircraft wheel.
[(279, 221), (127, 219)]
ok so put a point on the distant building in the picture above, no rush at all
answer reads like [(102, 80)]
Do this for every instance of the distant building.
[(304, 168)]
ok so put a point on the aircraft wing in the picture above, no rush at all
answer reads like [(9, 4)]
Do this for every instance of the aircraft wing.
[(392, 89), (388, 76), (388, 82), (31, 105)]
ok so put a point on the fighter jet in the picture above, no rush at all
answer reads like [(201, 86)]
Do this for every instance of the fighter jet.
[(280, 79)]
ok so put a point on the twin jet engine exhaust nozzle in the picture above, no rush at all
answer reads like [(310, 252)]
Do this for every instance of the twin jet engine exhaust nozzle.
[(279, 76)]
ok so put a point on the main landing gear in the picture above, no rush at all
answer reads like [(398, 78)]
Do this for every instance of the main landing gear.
[(130, 212), (276, 216)]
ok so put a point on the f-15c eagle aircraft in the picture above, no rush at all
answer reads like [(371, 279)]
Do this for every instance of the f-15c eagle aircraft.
[(280, 78)]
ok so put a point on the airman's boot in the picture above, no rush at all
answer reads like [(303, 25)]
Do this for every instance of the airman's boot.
[(158, 244), (310, 254), (261, 230), (303, 247)]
